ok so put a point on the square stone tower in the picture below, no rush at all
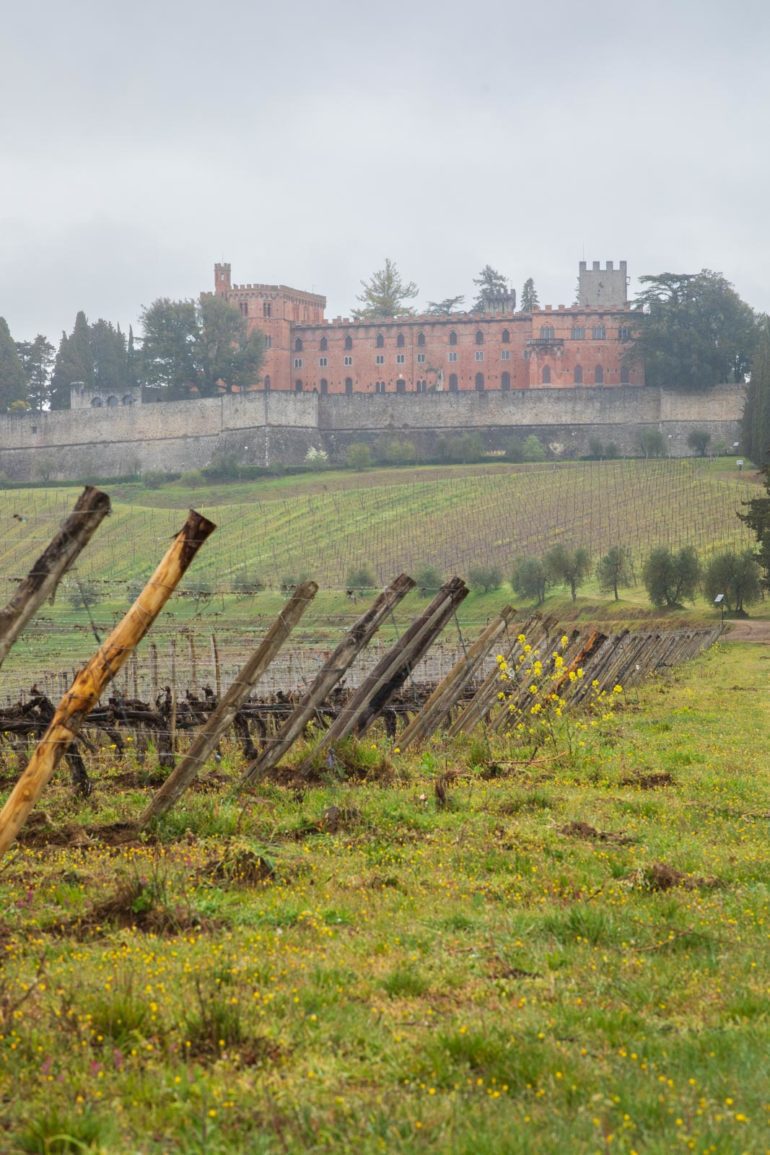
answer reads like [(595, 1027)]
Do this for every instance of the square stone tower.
[(600, 288)]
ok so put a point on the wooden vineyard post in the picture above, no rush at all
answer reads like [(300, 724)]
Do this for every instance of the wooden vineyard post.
[(100, 670), (40, 583), (332, 671), (222, 717), (392, 670), (487, 693), (446, 693), (217, 669)]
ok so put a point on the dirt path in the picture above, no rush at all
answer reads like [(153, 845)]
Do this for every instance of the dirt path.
[(747, 631)]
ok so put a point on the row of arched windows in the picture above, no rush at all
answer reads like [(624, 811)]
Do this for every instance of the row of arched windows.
[(547, 333), (422, 385)]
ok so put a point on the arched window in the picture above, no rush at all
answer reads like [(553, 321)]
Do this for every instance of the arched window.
[(298, 345), (379, 386), (96, 402), (599, 333), (578, 333), (546, 374), (453, 385), (298, 385), (348, 342), (421, 340), (348, 385), (577, 376), (422, 386), (324, 385), (479, 337), (324, 345), (546, 332), (505, 337), (625, 376), (599, 375), (400, 385), (380, 342), (400, 341), (453, 338), (112, 401), (128, 399), (267, 383), (479, 382), (505, 381)]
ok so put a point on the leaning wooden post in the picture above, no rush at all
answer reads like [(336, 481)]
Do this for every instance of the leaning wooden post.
[(224, 714), (446, 693), (90, 510), (92, 679), (332, 671)]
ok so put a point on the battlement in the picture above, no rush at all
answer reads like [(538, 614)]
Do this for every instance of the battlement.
[(603, 287)]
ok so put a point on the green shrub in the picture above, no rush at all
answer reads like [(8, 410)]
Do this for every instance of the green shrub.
[(360, 579), (533, 449), (484, 578), (429, 580), (358, 456)]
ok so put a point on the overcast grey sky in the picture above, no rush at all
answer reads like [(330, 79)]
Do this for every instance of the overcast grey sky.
[(306, 141)]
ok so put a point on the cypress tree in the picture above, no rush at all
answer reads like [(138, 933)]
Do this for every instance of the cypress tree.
[(756, 411), (13, 379)]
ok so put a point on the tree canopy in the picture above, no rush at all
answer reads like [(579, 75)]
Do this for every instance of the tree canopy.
[(569, 567), (445, 307), (13, 379), (696, 331), (671, 578), (385, 294), (490, 284), (195, 345), (529, 297), (757, 518), (37, 358), (756, 413)]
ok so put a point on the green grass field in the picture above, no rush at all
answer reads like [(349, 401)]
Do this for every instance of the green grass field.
[(480, 978), (323, 525)]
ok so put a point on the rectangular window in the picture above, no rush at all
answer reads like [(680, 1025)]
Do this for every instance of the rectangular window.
[(268, 342), (400, 358), (479, 354), (420, 358), (323, 362), (505, 354), (244, 308), (267, 309), (379, 359), (452, 356), (624, 333), (348, 360), (297, 362)]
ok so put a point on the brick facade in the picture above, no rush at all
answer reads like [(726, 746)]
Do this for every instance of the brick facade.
[(464, 352)]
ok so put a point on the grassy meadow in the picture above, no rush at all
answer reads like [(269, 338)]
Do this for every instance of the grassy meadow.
[(567, 953)]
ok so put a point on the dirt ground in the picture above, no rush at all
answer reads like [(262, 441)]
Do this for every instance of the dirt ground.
[(747, 631)]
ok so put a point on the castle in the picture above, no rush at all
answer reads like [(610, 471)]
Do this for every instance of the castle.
[(494, 348)]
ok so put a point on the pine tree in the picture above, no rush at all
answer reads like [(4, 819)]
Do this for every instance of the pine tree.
[(385, 295), (490, 284), (529, 298), (74, 362), (756, 411), (37, 359), (13, 379)]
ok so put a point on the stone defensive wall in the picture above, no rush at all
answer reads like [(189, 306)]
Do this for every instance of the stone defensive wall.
[(275, 428)]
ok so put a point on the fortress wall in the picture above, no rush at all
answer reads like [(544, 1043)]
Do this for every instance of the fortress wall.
[(278, 428)]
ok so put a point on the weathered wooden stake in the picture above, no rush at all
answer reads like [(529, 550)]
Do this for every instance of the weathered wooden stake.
[(217, 668), (446, 693), (332, 671), (91, 680), (222, 717), (392, 670), (40, 583)]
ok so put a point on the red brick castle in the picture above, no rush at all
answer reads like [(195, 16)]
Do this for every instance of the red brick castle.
[(491, 349)]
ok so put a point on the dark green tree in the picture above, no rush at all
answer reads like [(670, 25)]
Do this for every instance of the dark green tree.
[(490, 284), (13, 379), (757, 518), (74, 362), (530, 579), (652, 443), (484, 578), (198, 346), (614, 570), (698, 440), (569, 567), (696, 331), (736, 575), (385, 294), (360, 579), (37, 359), (671, 578), (108, 356), (429, 580), (529, 298), (756, 412)]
